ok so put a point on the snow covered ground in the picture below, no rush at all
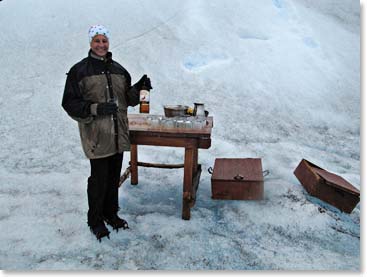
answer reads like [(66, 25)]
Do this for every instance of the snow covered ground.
[(280, 77)]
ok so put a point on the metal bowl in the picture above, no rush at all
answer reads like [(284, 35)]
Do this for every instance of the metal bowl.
[(175, 110)]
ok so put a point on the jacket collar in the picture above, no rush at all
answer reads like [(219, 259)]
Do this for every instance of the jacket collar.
[(104, 59)]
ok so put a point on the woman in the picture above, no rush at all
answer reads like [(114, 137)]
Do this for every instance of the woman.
[(97, 93)]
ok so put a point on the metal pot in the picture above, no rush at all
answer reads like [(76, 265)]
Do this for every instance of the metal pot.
[(175, 110)]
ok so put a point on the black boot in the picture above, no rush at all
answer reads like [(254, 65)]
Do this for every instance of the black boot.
[(116, 222), (100, 231)]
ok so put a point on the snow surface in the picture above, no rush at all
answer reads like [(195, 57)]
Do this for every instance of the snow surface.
[(282, 80)]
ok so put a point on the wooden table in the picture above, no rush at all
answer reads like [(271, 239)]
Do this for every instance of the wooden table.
[(189, 138)]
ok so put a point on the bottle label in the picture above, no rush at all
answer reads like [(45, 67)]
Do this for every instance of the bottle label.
[(144, 96)]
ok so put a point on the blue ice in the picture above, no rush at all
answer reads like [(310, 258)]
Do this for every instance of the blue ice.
[(308, 41), (244, 34), (197, 61), (192, 63), (278, 3)]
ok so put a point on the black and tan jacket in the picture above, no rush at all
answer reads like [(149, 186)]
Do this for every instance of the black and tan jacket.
[(86, 86)]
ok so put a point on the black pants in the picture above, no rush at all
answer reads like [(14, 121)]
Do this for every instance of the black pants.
[(103, 188)]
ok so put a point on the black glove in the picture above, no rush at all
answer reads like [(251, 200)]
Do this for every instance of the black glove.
[(144, 81), (107, 108)]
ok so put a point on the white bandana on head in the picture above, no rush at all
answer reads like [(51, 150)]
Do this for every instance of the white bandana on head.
[(98, 30)]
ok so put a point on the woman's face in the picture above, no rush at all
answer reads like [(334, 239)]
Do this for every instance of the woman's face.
[(99, 45)]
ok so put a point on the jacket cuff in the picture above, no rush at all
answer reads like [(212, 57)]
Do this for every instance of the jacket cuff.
[(93, 109)]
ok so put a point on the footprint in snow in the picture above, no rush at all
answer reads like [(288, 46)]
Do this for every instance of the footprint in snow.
[(22, 96)]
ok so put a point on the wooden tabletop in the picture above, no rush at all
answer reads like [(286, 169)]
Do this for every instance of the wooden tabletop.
[(138, 124)]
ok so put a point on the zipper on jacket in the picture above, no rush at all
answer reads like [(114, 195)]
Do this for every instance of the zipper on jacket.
[(112, 99)]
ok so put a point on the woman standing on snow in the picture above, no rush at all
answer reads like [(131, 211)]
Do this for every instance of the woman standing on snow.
[(97, 94)]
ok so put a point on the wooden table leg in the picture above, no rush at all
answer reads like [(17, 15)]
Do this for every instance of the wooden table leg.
[(187, 184), (195, 185), (195, 176), (195, 160), (134, 164)]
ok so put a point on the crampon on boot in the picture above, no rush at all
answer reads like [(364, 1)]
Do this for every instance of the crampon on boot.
[(116, 222), (100, 231)]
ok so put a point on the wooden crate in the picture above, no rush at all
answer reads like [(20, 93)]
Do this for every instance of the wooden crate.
[(237, 179), (327, 186)]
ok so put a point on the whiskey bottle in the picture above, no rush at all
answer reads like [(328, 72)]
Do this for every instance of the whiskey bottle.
[(144, 98)]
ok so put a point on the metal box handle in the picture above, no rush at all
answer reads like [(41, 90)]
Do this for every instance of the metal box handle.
[(210, 170)]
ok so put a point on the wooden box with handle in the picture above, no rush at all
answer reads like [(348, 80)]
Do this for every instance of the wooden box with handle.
[(237, 179), (327, 186)]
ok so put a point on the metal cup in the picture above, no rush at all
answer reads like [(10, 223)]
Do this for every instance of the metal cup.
[(199, 109)]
